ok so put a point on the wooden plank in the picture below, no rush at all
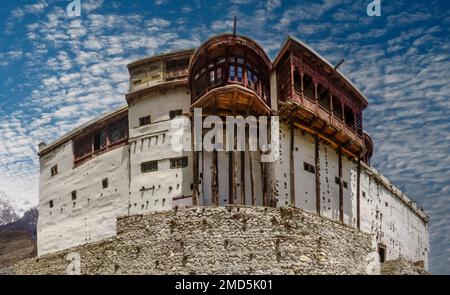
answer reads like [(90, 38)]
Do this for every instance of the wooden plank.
[(252, 179), (341, 189), (358, 194), (317, 168), (215, 181), (242, 177), (291, 165)]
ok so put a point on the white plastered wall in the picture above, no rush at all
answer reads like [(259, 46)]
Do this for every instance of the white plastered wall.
[(165, 188), (92, 216)]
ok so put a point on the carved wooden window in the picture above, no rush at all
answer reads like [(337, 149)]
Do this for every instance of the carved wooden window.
[(308, 87), (324, 97), (117, 131), (349, 117), (99, 140), (337, 108), (297, 81)]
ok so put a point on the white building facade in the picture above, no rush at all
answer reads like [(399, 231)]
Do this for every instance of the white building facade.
[(123, 164)]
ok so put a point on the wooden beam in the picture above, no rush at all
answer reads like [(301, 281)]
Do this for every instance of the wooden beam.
[(242, 177), (195, 179), (215, 179), (252, 179), (230, 178), (292, 165), (317, 168), (341, 189), (358, 194), (264, 184)]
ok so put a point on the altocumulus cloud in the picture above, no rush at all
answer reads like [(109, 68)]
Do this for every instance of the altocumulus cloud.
[(58, 73)]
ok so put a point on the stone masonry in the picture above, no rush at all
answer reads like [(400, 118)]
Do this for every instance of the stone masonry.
[(218, 240)]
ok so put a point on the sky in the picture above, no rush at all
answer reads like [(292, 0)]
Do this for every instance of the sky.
[(58, 71)]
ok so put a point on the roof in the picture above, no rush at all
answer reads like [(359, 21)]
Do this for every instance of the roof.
[(323, 60), (160, 56), (68, 136)]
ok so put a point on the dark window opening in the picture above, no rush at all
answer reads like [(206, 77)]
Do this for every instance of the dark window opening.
[(175, 113), (382, 253), (324, 97), (99, 140), (177, 63), (144, 121), (149, 166), (337, 107), (308, 167), (74, 195), (297, 81), (105, 183), (118, 131), (54, 170), (349, 117), (50, 204), (179, 163), (308, 87), (345, 184)]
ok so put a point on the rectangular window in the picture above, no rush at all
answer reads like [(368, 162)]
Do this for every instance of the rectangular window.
[(144, 121), (118, 131), (50, 203), (239, 74), (211, 78), (74, 195), (219, 75), (174, 114), (336, 180), (105, 183), (232, 73), (179, 163), (54, 170), (345, 185), (99, 140), (308, 167), (149, 166)]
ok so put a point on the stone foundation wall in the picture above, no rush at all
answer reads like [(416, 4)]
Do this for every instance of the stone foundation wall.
[(220, 240)]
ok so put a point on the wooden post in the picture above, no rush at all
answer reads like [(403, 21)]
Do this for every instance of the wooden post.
[(358, 194), (230, 178), (195, 179), (317, 168), (252, 179), (264, 184), (341, 188), (291, 165), (242, 177), (215, 182), (235, 170)]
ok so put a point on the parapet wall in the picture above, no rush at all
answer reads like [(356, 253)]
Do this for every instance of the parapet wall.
[(218, 240)]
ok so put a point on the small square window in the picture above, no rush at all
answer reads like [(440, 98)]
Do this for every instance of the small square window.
[(179, 163), (50, 204), (175, 113), (54, 170), (74, 195), (105, 183), (144, 121), (149, 166), (345, 184), (308, 167)]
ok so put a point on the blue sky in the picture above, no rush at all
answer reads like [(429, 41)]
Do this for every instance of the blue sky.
[(58, 72)]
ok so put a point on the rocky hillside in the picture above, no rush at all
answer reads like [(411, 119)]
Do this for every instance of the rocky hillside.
[(18, 239)]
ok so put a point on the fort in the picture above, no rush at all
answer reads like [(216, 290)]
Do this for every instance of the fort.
[(115, 191)]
